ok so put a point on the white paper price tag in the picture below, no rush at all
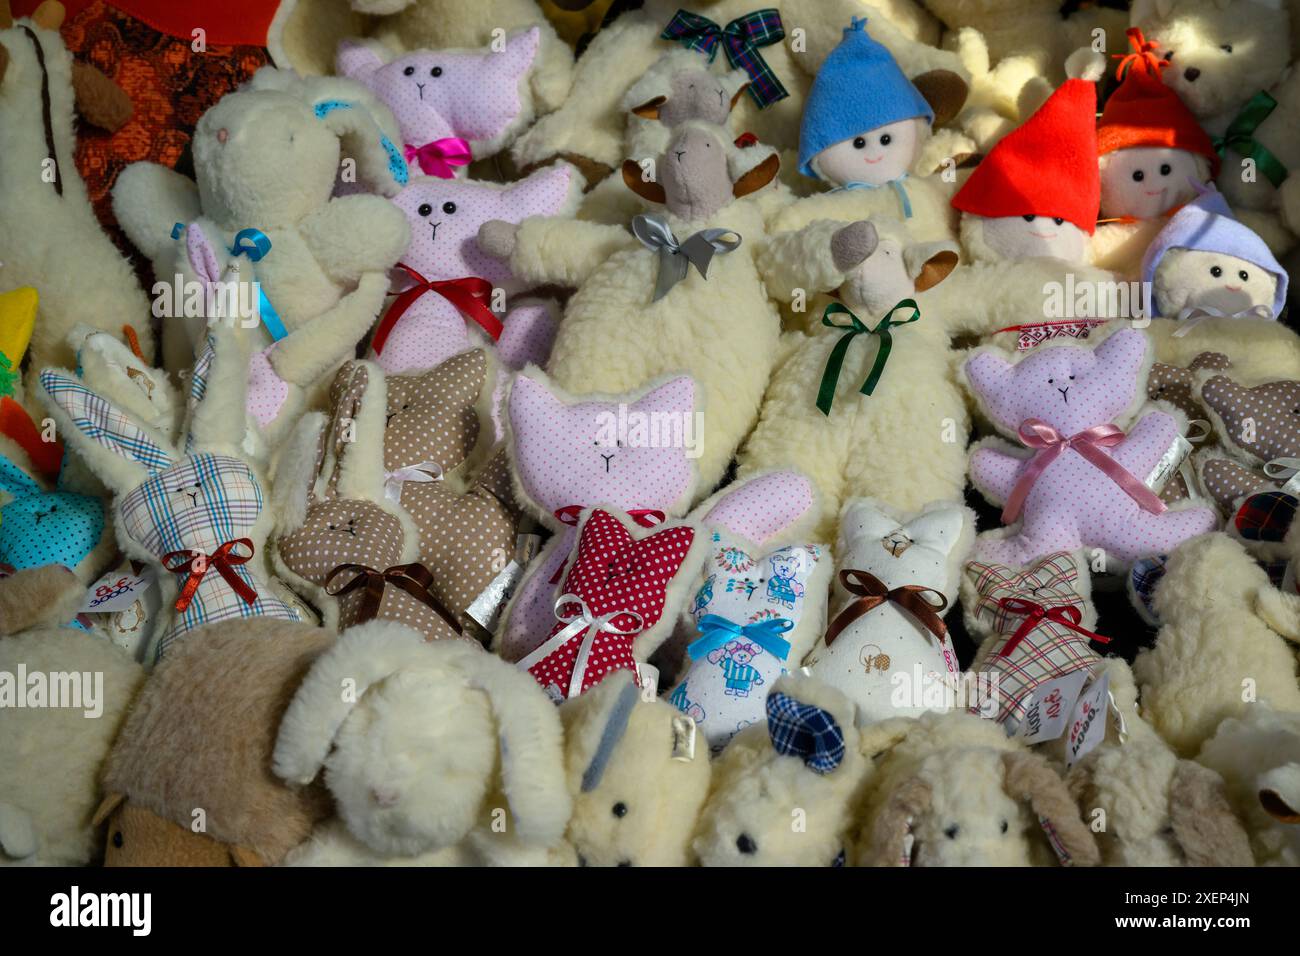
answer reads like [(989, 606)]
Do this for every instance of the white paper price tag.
[(116, 591), (1050, 706), (1088, 721)]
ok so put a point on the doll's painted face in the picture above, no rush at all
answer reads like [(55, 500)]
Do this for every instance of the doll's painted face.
[(1146, 182), (874, 157), (1187, 279), (1032, 237)]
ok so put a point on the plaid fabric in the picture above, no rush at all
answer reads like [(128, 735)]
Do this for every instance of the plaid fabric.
[(804, 731), (1143, 577), (199, 385), (1049, 651), (1265, 516), (741, 38), (199, 505), (103, 423)]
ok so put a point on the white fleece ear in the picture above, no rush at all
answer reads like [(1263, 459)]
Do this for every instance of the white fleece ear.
[(18, 838), (532, 749), (355, 116), (362, 657), (217, 418), (1085, 64), (296, 473)]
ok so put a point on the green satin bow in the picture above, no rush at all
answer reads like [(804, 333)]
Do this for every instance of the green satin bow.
[(831, 376), (1240, 137)]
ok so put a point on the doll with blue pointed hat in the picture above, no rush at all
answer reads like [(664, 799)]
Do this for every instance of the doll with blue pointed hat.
[(864, 122), (1207, 264)]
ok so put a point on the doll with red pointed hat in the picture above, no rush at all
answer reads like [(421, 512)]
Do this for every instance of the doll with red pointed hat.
[(1038, 192)]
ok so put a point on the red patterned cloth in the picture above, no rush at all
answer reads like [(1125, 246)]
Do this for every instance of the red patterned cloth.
[(169, 84), (616, 576)]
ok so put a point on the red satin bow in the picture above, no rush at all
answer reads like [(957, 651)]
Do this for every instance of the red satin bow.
[(1067, 615), (198, 564), (645, 517), (469, 295), (438, 158), (1143, 55), (1036, 433)]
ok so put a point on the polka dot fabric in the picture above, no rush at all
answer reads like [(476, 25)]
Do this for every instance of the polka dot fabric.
[(445, 216), (611, 572), (1177, 385), (435, 416), (39, 527), (437, 94), (1261, 423), (1073, 503)]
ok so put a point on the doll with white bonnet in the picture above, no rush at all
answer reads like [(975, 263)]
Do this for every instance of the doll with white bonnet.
[(1153, 156), (864, 126)]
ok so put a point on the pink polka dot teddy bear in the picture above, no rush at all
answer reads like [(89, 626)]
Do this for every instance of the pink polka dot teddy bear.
[(1092, 444), (453, 106), (454, 296)]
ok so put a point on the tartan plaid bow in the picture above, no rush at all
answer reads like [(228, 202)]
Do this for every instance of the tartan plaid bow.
[(1067, 615), (741, 38), (804, 731)]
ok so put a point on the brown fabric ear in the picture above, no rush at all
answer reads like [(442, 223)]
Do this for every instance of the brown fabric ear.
[(758, 177), (890, 827), (1031, 778), (4, 62), (100, 101), (650, 110), (242, 856), (937, 268), (1205, 825), (736, 97), (649, 191), (945, 91), (50, 15), (346, 394), (106, 807), (1276, 807)]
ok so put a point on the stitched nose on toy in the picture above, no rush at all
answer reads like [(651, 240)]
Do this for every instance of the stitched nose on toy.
[(1191, 74), (608, 459), (896, 543), (1065, 394), (223, 134)]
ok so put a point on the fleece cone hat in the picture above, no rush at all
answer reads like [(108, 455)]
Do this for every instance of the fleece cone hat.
[(1046, 167), (1143, 112)]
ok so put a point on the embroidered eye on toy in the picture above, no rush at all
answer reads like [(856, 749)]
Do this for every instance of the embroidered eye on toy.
[(197, 512), (1078, 413), (758, 609), (610, 612), (570, 453), (1037, 622), (454, 295), (453, 106), (886, 646), (1259, 427)]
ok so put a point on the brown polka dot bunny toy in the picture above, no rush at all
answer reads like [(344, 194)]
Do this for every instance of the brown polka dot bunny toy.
[(1176, 384), (346, 546)]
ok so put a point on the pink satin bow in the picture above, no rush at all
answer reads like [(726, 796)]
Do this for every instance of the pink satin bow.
[(1036, 433), (438, 158)]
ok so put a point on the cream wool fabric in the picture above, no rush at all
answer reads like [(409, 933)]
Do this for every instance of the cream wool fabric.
[(723, 330), (1215, 651)]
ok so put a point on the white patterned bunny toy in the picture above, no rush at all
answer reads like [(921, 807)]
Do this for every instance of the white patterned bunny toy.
[(887, 646), (197, 511)]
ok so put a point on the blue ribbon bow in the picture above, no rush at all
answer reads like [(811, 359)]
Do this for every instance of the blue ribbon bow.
[(716, 631), (255, 244)]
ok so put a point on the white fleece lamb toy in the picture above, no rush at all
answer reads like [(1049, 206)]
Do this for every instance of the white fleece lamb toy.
[(50, 239), (1215, 653), (432, 738), (267, 158), (679, 292), (1258, 754)]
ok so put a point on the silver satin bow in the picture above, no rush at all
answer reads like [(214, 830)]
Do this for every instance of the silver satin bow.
[(393, 480), (676, 258), (1192, 316)]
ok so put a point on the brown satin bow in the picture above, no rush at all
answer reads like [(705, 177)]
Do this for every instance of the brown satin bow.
[(414, 579), (872, 592)]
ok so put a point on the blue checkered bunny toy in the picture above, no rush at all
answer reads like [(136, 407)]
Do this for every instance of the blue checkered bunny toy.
[(197, 510)]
